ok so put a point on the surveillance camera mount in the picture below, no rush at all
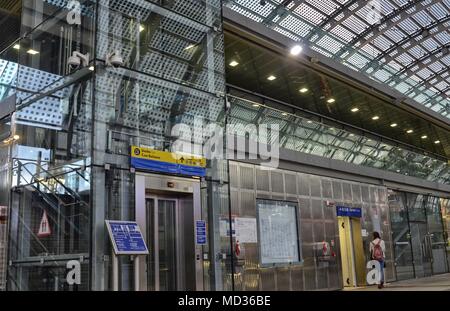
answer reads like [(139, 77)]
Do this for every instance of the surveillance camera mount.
[(83, 57)]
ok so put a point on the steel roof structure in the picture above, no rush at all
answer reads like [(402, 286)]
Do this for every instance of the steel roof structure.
[(404, 44)]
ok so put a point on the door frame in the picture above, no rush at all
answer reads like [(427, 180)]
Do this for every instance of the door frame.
[(147, 185)]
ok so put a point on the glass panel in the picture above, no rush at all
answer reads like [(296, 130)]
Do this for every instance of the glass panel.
[(400, 236), (436, 236), (151, 244), (167, 245), (421, 249)]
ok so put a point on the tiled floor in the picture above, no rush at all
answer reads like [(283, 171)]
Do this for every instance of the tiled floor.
[(434, 283)]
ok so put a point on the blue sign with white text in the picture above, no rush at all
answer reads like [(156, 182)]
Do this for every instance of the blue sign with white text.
[(200, 232), (345, 211), (126, 237)]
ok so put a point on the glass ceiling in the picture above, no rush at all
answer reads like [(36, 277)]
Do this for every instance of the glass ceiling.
[(404, 44)]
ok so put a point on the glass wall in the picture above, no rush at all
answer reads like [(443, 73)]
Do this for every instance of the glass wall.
[(172, 75), (50, 151), (305, 133), (418, 234)]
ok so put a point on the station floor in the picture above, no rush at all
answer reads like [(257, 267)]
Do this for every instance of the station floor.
[(434, 283)]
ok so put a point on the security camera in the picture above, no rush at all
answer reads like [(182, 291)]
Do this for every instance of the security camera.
[(77, 59), (114, 59), (73, 62)]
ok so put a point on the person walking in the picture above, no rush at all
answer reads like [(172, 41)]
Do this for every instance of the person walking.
[(377, 252)]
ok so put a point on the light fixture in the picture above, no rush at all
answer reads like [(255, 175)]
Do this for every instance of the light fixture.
[(394, 124), (141, 28), (256, 105), (16, 137), (375, 118), (351, 135), (190, 46), (16, 46), (437, 142), (234, 63), (409, 131), (92, 68), (424, 137), (331, 100), (303, 90), (284, 114), (32, 52), (355, 109), (309, 122), (271, 78), (296, 50)]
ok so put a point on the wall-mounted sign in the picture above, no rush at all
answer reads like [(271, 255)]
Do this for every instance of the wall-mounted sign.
[(246, 230), (200, 232), (345, 211), (126, 237), (167, 162)]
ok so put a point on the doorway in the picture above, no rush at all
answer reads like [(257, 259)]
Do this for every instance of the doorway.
[(166, 210), (352, 251)]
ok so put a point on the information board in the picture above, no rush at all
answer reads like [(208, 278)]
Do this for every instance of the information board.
[(167, 162), (200, 232), (126, 237), (278, 232), (345, 211), (246, 231)]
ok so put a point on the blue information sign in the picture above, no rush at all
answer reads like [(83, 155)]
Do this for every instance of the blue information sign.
[(200, 232), (349, 211), (126, 237)]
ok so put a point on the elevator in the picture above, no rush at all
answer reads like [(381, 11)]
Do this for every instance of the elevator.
[(166, 210), (352, 251)]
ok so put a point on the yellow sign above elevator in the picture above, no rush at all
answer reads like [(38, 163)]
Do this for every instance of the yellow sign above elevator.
[(169, 162)]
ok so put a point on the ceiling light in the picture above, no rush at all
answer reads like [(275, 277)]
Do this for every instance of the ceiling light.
[(303, 90), (141, 28), (355, 109), (271, 78), (16, 137), (409, 131), (190, 46), (16, 46), (375, 118), (309, 121), (424, 137), (284, 114), (437, 142), (32, 52), (234, 63), (296, 50), (394, 124), (255, 105), (92, 68), (331, 100)]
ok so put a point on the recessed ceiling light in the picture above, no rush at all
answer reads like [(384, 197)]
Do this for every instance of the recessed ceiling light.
[(234, 63), (355, 109), (16, 46), (271, 78), (375, 118), (190, 46), (437, 142), (284, 114), (16, 137), (92, 68), (351, 135), (331, 128), (304, 90), (424, 137), (32, 52), (331, 100), (309, 121), (256, 105), (409, 131), (141, 28), (394, 124), (296, 50)]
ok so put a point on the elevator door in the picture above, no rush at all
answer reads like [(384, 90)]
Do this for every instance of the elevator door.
[(170, 235)]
